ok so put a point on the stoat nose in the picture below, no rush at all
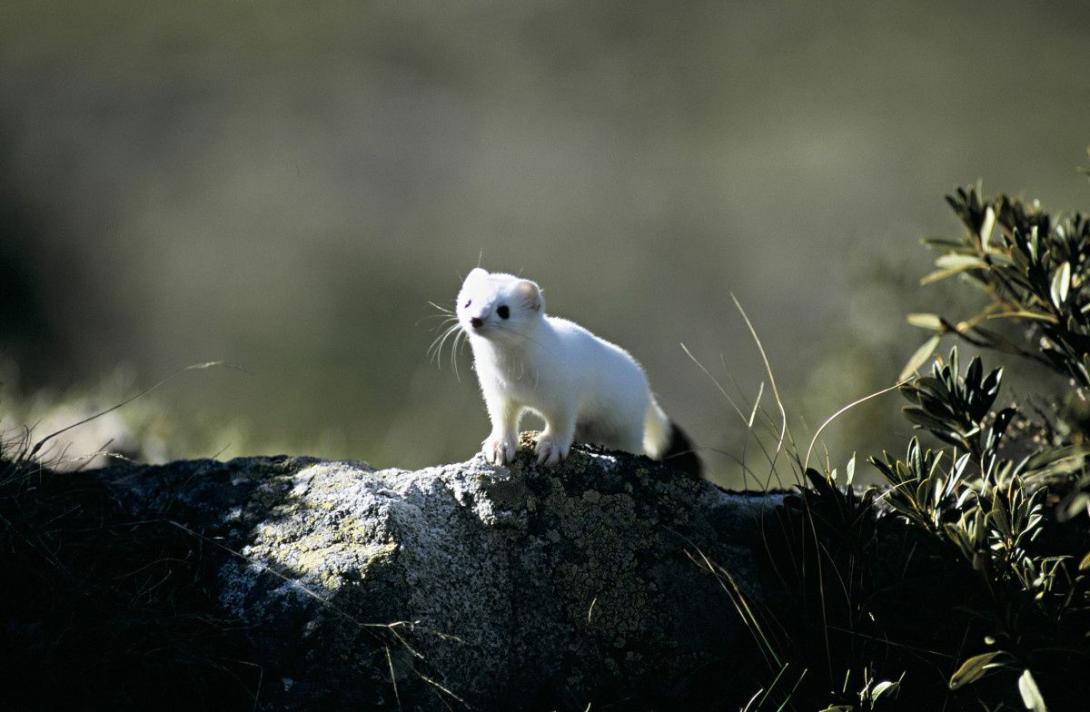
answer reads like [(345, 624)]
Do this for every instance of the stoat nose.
[(476, 322)]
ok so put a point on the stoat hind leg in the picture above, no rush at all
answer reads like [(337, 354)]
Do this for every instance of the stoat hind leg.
[(554, 443), (613, 433)]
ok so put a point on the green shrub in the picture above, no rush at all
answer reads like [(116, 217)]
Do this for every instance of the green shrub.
[(962, 582)]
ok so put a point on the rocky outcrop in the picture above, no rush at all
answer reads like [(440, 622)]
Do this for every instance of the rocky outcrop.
[(465, 585)]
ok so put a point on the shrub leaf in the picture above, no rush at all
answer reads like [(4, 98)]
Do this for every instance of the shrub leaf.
[(919, 358), (1031, 695), (960, 262), (974, 668), (926, 321), (1061, 281)]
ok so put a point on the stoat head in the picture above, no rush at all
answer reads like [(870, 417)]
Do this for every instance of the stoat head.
[(499, 307)]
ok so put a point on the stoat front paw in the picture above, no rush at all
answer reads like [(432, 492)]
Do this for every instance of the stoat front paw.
[(550, 451), (498, 450)]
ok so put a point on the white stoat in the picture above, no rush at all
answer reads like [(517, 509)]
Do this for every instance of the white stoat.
[(584, 387)]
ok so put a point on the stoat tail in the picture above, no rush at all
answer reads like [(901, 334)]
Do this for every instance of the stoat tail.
[(664, 440)]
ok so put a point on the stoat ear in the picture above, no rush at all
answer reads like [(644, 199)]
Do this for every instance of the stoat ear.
[(530, 294)]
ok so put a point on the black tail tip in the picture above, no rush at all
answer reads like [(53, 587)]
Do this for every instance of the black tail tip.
[(681, 455)]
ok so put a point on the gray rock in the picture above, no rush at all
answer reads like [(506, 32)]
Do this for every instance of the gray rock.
[(469, 585)]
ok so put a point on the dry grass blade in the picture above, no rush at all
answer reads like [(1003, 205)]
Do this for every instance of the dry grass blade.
[(393, 675), (756, 405), (192, 367), (771, 378), (740, 603), (441, 688), (714, 380), (834, 416)]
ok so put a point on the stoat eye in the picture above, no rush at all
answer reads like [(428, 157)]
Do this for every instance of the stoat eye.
[(468, 302), (503, 311)]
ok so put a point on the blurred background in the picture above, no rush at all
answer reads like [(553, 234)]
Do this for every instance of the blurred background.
[(285, 186)]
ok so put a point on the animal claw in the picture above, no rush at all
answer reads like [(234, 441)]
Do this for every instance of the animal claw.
[(498, 450), (550, 452)]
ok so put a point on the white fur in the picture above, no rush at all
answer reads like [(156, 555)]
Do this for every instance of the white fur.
[(584, 387)]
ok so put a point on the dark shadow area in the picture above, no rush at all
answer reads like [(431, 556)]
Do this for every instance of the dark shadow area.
[(105, 610), (28, 336), (864, 595)]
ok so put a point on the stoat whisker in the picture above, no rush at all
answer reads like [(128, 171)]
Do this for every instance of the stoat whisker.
[(435, 343), (447, 322), (459, 339), (432, 317), (455, 333), (436, 349)]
